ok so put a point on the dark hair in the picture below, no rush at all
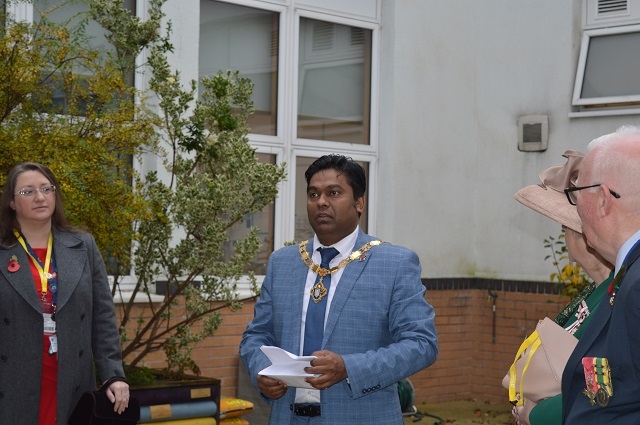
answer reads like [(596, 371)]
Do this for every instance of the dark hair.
[(343, 165), (8, 220)]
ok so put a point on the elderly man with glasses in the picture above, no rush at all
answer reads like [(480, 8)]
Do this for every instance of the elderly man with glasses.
[(601, 381)]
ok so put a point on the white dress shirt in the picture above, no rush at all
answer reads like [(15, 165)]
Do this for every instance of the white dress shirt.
[(344, 247)]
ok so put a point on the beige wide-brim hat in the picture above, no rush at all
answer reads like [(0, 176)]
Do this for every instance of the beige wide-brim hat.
[(548, 197)]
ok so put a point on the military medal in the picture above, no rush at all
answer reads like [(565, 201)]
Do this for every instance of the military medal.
[(319, 291), (598, 379), (603, 377), (602, 397)]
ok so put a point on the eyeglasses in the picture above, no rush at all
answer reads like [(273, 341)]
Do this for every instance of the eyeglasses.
[(45, 190), (572, 196)]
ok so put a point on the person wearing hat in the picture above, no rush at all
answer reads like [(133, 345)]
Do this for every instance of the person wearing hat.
[(548, 198), (601, 379)]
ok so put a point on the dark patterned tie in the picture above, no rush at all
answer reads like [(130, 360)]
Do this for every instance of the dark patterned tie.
[(314, 325)]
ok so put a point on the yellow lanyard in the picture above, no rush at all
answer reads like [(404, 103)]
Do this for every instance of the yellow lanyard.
[(44, 276), (533, 342)]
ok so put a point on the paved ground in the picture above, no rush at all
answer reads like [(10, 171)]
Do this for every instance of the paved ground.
[(451, 413), (472, 412)]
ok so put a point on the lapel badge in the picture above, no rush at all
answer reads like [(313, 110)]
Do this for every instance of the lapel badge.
[(13, 265), (362, 257)]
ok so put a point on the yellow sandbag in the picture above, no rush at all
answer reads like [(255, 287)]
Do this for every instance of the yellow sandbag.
[(238, 420), (233, 407)]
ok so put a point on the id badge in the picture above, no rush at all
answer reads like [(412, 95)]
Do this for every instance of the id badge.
[(49, 323), (53, 345)]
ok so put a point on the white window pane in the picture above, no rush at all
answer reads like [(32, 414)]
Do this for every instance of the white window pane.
[(334, 88), (613, 66), (72, 13), (608, 67), (243, 39)]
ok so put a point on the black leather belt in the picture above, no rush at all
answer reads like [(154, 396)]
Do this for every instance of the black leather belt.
[(306, 409)]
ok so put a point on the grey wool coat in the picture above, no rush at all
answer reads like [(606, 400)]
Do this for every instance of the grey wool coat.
[(86, 329)]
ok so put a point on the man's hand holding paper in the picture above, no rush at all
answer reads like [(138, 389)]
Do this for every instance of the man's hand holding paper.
[(327, 369), (286, 367)]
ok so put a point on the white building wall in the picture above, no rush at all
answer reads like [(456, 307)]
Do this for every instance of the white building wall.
[(455, 76)]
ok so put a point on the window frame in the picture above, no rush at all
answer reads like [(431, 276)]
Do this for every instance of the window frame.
[(286, 144), (606, 102)]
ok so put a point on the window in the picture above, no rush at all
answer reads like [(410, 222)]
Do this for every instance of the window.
[(314, 78), (334, 74), (243, 39), (71, 15), (608, 68)]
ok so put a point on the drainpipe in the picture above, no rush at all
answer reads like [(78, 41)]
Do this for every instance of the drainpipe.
[(492, 298)]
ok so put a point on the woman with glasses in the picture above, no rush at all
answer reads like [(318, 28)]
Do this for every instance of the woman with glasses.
[(550, 199), (57, 317)]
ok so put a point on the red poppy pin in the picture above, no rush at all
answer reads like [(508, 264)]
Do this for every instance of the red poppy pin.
[(13, 266)]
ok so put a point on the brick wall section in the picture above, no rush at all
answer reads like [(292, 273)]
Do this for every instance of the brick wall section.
[(470, 365), (217, 356)]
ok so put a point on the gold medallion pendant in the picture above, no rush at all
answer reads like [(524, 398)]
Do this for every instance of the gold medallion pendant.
[(319, 291)]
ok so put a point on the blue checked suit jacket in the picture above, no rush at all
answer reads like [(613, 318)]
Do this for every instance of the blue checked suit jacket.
[(379, 322), (614, 333)]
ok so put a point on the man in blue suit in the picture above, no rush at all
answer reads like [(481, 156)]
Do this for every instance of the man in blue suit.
[(601, 381), (378, 327)]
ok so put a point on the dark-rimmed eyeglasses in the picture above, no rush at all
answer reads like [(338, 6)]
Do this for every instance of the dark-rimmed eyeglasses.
[(572, 196), (28, 192)]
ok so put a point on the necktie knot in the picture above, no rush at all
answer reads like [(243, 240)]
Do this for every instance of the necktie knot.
[(327, 254)]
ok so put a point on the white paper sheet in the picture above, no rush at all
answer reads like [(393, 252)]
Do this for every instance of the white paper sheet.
[(287, 367)]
